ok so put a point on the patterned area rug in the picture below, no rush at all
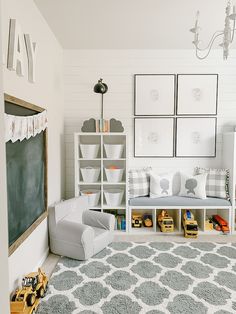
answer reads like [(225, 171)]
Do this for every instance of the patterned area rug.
[(153, 278)]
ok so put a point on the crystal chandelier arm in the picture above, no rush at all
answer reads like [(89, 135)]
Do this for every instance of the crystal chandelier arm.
[(214, 36), (233, 31), (208, 47), (228, 34)]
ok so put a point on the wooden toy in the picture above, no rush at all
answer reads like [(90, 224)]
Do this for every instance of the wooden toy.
[(190, 225), (147, 220), (26, 299), (165, 222), (137, 221), (223, 224)]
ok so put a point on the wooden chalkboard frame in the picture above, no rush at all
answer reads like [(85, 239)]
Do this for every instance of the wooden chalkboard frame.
[(22, 103)]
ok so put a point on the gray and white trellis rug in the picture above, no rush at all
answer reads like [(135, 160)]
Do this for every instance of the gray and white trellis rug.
[(152, 277)]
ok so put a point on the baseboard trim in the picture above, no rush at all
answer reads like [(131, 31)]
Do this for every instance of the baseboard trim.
[(42, 260)]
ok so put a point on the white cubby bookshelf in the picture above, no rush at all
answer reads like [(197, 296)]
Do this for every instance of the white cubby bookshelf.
[(102, 162)]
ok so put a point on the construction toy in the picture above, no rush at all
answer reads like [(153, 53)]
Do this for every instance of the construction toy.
[(223, 224), (190, 225), (137, 221), (147, 220), (165, 222), (209, 224), (216, 226), (26, 299)]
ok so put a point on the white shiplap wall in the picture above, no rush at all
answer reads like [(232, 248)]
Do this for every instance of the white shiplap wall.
[(82, 69)]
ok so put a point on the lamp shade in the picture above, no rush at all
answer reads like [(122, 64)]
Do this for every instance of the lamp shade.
[(100, 87)]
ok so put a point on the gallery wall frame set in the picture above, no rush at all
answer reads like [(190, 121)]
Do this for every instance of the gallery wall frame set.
[(175, 115)]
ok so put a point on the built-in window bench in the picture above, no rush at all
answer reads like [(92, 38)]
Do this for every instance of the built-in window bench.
[(201, 208)]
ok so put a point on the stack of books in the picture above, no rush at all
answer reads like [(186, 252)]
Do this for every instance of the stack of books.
[(120, 219), (120, 222), (102, 125)]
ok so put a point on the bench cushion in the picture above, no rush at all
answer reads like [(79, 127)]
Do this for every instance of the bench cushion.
[(178, 201)]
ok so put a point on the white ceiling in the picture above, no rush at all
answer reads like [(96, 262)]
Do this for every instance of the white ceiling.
[(130, 24)]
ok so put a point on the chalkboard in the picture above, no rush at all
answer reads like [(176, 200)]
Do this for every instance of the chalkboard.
[(26, 179)]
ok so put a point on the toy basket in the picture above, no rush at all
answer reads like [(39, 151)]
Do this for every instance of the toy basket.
[(114, 175), (89, 151), (114, 151), (93, 196), (113, 196), (90, 174)]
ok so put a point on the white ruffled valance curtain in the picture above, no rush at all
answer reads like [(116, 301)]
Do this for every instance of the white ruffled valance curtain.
[(20, 127)]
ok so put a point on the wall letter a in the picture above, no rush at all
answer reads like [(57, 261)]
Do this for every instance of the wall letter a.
[(15, 60)]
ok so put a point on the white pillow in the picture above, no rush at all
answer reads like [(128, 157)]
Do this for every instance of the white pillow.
[(161, 185), (193, 186)]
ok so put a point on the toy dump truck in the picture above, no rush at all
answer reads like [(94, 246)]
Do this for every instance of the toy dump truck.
[(223, 224), (190, 225), (165, 222), (21, 307), (137, 221), (26, 299)]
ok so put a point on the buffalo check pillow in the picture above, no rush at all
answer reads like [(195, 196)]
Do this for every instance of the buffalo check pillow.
[(139, 182), (217, 184)]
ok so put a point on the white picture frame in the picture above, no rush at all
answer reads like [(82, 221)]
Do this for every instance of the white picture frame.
[(154, 94), (154, 137), (197, 94), (196, 137)]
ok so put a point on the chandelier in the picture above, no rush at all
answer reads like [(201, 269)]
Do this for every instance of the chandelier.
[(227, 35)]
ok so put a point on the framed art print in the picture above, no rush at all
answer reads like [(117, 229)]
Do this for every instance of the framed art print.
[(153, 137), (197, 94), (154, 94), (196, 137)]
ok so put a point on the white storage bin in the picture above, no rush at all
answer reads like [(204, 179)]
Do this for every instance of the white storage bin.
[(114, 151), (90, 174), (93, 196), (89, 151), (114, 174), (113, 196)]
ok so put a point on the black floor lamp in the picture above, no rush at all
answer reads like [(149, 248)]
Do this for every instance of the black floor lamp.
[(101, 88)]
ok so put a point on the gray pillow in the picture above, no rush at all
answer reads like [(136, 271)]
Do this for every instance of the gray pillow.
[(161, 184), (193, 186), (139, 182), (217, 184)]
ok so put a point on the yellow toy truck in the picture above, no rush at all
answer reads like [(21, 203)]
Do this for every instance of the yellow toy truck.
[(137, 221), (26, 299), (190, 225), (165, 222)]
